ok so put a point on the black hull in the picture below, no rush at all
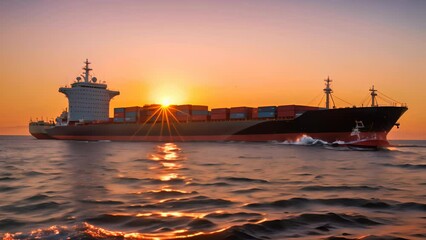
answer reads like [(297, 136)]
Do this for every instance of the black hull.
[(328, 125)]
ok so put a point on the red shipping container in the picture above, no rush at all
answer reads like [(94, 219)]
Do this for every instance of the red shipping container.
[(286, 114), (286, 108), (119, 115), (182, 118), (254, 113), (220, 111), (184, 107), (199, 117), (240, 109), (219, 116), (143, 119), (151, 107), (184, 110), (132, 109), (200, 107), (170, 112), (172, 108)]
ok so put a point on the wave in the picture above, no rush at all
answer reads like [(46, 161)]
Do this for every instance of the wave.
[(406, 166), (245, 191), (10, 189), (408, 146), (308, 224), (201, 223), (242, 179), (102, 202), (8, 223), (32, 207), (131, 180), (168, 194), (190, 203), (370, 237), (340, 188), (33, 173), (36, 197), (215, 184), (6, 179), (345, 202), (305, 140)]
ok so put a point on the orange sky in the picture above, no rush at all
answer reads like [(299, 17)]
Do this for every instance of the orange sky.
[(217, 53)]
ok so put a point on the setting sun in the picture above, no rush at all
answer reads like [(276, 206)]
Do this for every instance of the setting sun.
[(165, 102)]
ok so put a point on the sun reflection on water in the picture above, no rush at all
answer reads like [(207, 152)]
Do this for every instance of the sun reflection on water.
[(167, 152)]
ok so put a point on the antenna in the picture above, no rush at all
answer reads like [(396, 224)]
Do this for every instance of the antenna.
[(86, 71), (327, 91), (373, 97)]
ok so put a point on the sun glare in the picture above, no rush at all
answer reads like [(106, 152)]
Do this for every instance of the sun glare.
[(165, 102)]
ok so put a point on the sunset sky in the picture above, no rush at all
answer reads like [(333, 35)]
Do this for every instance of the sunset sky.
[(217, 53)]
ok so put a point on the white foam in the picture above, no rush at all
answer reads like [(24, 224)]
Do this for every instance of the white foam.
[(305, 140)]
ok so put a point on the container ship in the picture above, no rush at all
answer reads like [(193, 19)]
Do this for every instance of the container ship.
[(87, 119)]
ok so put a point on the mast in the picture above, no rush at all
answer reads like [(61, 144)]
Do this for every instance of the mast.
[(86, 71), (373, 97), (327, 91)]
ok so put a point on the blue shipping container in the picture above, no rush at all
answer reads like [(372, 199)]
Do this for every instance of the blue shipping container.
[(266, 114), (131, 114), (183, 113), (118, 119), (200, 112), (119, 110), (267, 109), (238, 116), (130, 119)]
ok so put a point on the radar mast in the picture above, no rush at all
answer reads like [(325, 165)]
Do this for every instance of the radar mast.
[(373, 97), (86, 71), (328, 91)]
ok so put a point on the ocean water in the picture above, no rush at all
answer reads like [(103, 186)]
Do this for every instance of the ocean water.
[(124, 190)]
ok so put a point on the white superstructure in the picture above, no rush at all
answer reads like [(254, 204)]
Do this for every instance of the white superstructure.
[(88, 100)]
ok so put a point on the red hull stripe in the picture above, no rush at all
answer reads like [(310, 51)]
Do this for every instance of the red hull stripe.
[(364, 139)]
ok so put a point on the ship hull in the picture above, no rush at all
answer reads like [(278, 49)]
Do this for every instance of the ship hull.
[(331, 125), (39, 131)]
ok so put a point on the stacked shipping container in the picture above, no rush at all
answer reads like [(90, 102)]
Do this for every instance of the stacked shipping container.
[(241, 113), (266, 112), (149, 113), (290, 111), (119, 114), (131, 114), (199, 113), (128, 114), (183, 113), (219, 114)]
